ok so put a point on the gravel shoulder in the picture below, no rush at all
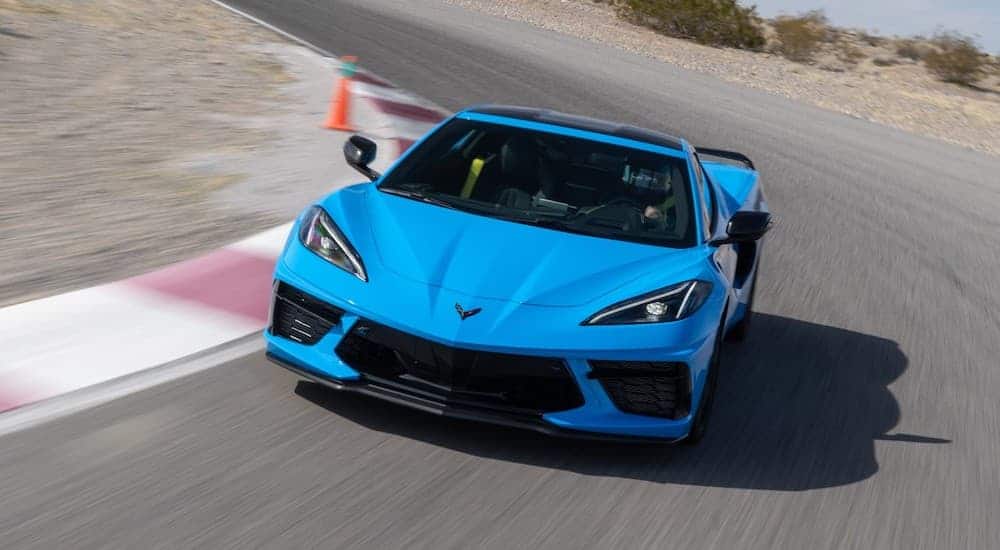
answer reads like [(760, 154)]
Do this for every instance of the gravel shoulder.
[(132, 134), (903, 96)]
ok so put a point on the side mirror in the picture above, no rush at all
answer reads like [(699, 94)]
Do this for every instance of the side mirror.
[(359, 152), (745, 226)]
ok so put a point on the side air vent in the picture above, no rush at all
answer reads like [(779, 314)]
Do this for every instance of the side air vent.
[(301, 317), (644, 387)]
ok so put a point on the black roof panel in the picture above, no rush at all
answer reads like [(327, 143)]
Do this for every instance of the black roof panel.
[(580, 123)]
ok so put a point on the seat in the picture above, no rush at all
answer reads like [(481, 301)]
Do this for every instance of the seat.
[(518, 166)]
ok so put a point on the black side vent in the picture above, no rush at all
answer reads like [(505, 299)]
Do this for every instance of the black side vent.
[(301, 317), (646, 388)]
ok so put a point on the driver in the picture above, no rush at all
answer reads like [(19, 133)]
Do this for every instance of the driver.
[(653, 213), (651, 189)]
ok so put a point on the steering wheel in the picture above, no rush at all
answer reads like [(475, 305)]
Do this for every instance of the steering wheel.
[(619, 201), (620, 213)]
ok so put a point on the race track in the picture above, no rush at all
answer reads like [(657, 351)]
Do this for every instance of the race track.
[(862, 413)]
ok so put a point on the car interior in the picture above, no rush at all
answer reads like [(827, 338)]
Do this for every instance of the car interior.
[(592, 183)]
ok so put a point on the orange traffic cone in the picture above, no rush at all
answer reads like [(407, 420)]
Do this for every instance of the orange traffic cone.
[(336, 119)]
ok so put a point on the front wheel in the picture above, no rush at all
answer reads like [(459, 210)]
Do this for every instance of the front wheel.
[(699, 426)]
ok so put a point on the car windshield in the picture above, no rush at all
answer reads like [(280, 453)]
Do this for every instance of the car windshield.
[(551, 180)]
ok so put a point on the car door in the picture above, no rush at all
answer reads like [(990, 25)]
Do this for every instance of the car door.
[(713, 218)]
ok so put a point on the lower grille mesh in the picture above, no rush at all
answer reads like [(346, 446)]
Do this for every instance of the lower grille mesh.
[(646, 388), (301, 317), (461, 377)]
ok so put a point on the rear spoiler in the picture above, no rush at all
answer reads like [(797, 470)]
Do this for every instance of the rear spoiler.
[(731, 155)]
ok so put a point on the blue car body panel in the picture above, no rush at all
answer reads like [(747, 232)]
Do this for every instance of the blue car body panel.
[(535, 286), (736, 184)]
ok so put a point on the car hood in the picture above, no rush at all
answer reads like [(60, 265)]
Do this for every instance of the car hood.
[(490, 258)]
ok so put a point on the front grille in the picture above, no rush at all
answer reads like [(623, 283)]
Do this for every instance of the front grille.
[(646, 388), (301, 317), (459, 377)]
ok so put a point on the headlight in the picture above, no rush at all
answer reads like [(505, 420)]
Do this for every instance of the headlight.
[(660, 306), (319, 234)]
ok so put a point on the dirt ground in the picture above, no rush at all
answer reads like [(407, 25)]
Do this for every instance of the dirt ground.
[(101, 98), (902, 95)]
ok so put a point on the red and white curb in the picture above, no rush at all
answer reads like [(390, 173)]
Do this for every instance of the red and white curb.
[(395, 114), (63, 343), (66, 342)]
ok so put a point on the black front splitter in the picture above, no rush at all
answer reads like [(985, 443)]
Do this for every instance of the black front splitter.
[(412, 401)]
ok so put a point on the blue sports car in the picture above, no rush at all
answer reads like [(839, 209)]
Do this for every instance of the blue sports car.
[(528, 268)]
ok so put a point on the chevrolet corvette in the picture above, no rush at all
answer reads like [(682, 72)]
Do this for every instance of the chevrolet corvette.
[(528, 268)]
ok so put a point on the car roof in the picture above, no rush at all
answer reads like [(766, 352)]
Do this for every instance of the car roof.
[(577, 122)]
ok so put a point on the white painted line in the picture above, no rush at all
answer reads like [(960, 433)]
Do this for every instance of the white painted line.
[(70, 403), (272, 28), (307, 44)]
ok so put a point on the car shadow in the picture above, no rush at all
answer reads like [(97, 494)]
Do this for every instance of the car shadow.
[(799, 407)]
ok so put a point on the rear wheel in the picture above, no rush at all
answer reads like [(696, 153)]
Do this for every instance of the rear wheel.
[(699, 426)]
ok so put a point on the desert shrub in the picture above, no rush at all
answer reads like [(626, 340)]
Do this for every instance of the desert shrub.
[(957, 59), (800, 36), (849, 54), (871, 39), (713, 22), (881, 61), (911, 49)]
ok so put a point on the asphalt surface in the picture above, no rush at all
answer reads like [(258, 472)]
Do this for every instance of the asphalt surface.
[(862, 413)]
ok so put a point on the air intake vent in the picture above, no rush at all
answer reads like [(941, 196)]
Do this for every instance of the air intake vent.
[(646, 388), (518, 384), (301, 317)]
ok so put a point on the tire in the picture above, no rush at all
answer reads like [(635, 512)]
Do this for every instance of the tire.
[(740, 330), (699, 426)]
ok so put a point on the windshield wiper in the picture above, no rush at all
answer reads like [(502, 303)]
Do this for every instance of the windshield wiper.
[(561, 224), (416, 195), (554, 223)]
